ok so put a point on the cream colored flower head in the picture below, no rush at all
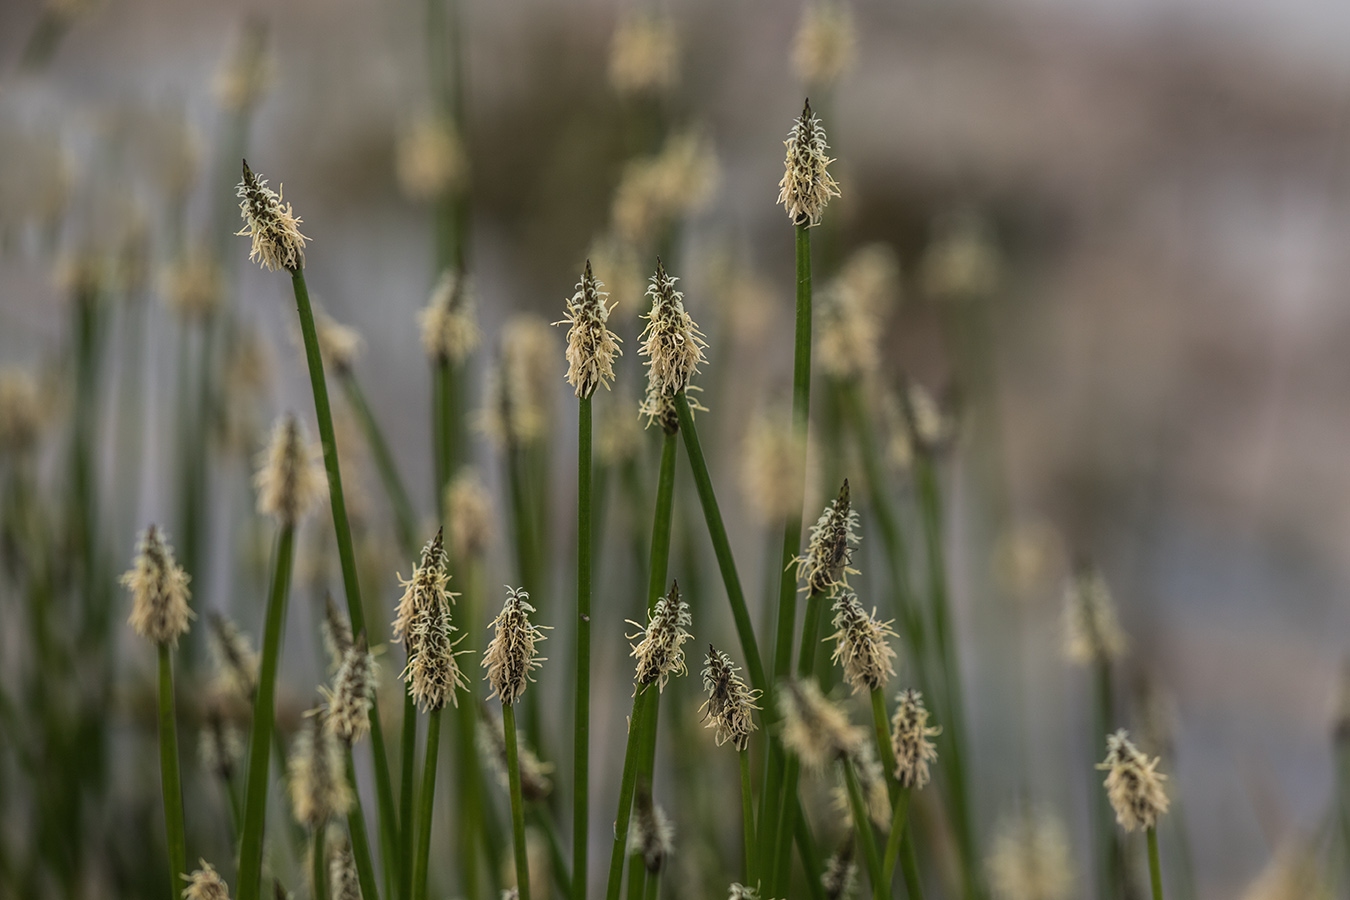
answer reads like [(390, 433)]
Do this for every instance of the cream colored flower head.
[(591, 346), (817, 730), (20, 412), (1133, 784), (671, 342), (291, 478), (192, 285), (205, 884), (159, 591), (469, 510), (807, 184), (535, 784), (236, 661), (680, 180), (339, 344), (1030, 858), (862, 645), (449, 321), (353, 693), (962, 262), (773, 457), (644, 56), (510, 655), (520, 388), (853, 309), (1092, 633), (343, 881), (318, 777), (910, 733), (871, 781), (430, 160), (742, 892), (428, 587), (730, 707), (247, 74), (433, 674), (824, 46), (659, 654), (273, 225), (830, 549)]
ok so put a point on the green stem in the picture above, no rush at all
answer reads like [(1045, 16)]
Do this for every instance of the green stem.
[(441, 417), (168, 766), (255, 791), (899, 821), (1154, 870), (1109, 859), (470, 814), (863, 827), (517, 805), (404, 517), (343, 532), (582, 714), (407, 789), (562, 876), (806, 852), (665, 494), (319, 871), (428, 800), (900, 835), (748, 819), (627, 782), (356, 827)]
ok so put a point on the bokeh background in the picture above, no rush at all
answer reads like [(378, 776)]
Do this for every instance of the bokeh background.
[(1153, 372)]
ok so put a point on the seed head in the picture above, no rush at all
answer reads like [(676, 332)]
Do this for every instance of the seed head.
[(510, 654), (236, 662), (824, 46), (352, 694), (830, 550), (652, 836), (205, 884), (433, 674), (814, 728), (659, 654), (862, 645), (729, 709), (644, 55), (431, 161), (336, 632), (159, 591), (319, 789), (841, 872), (343, 882), (449, 321), (535, 784), (192, 285), (469, 509), (671, 342), (1092, 633), (591, 346), (910, 733), (273, 225), (339, 344), (1030, 859), (290, 477), (807, 184), (1133, 785)]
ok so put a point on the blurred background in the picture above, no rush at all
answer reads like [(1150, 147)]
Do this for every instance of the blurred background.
[(1117, 232)]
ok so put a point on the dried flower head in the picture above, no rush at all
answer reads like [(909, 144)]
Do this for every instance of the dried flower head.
[(824, 46), (159, 590), (671, 342), (510, 655), (535, 784), (352, 694), (433, 674), (336, 633), (853, 310), (1092, 633), (519, 388), (339, 344), (205, 884), (652, 834), (449, 321), (830, 549), (343, 881), (243, 79), (1133, 784), (193, 285), (469, 510), (841, 872), (236, 661), (273, 225), (773, 458), (20, 412), (729, 709), (591, 346), (862, 645), (818, 731), (644, 55), (807, 184), (290, 477), (962, 262), (431, 161), (659, 654), (318, 778), (910, 733), (1030, 859)]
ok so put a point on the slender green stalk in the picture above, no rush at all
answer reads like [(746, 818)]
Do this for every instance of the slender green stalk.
[(260, 741), (899, 824), (470, 812), (356, 827), (899, 836), (441, 417), (168, 767), (810, 859), (1154, 870), (863, 827), (748, 819), (428, 799), (627, 782), (407, 790), (581, 737), (517, 805), (343, 532), (405, 520), (319, 870), (1109, 859)]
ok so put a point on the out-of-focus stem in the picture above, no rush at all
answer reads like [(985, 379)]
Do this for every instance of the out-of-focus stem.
[(169, 773)]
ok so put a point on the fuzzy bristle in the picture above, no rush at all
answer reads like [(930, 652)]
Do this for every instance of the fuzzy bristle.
[(159, 591), (807, 185), (659, 654), (272, 224), (1133, 784), (910, 733), (510, 656)]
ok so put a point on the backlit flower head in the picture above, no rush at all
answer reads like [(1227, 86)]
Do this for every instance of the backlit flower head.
[(290, 478), (591, 346), (830, 549), (729, 709), (1030, 859), (535, 784), (671, 342), (910, 733), (659, 654), (205, 884), (273, 225), (824, 46), (817, 730), (1092, 633), (862, 644), (352, 694), (318, 778), (807, 184), (510, 655), (1133, 784), (159, 590), (449, 321)]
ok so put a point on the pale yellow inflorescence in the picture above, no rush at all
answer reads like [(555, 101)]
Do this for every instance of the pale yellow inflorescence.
[(422, 624), (449, 322), (962, 262), (817, 730), (823, 48), (20, 411), (853, 310), (430, 160), (680, 180), (535, 784), (471, 519), (659, 654), (318, 778), (730, 707), (830, 548), (352, 694), (193, 285), (1133, 784), (520, 387), (343, 881), (159, 591), (1030, 858), (427, 586), (591, 346), (672, 344), (339, 344), (1092, 633), (773, 456), (220, 745), (644, 55), (510, 655), (205, 884), (910, 733), (272, 224), (862, 645), (872, 783), (807, 185), (290, 478)]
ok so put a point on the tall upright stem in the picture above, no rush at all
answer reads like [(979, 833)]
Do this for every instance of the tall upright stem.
[(169, 774), (407, 791), (318, 870), (862, 825), (517, 804), (427, 803), (748, 819), (356, 827), (405, 519), (627, 782), (1154, 869), (582, 712)]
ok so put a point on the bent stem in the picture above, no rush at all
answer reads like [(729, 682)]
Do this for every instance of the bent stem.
[(428, 799), (517, 806), (582, 711), (169, 774)]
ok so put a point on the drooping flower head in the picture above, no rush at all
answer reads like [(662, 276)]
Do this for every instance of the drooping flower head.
[(671, 342), (318, 779), (862, 644), (659, 654), (1030, 859), (352, 694), (449, 321), (591, 346), (910, 733), (1133, 784), (159, 591), (1092, 633), (729, 709), (205, 884), (830, 550), (290, 477), (817, 730), (273, 225), (807, 184), (510, 655)]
